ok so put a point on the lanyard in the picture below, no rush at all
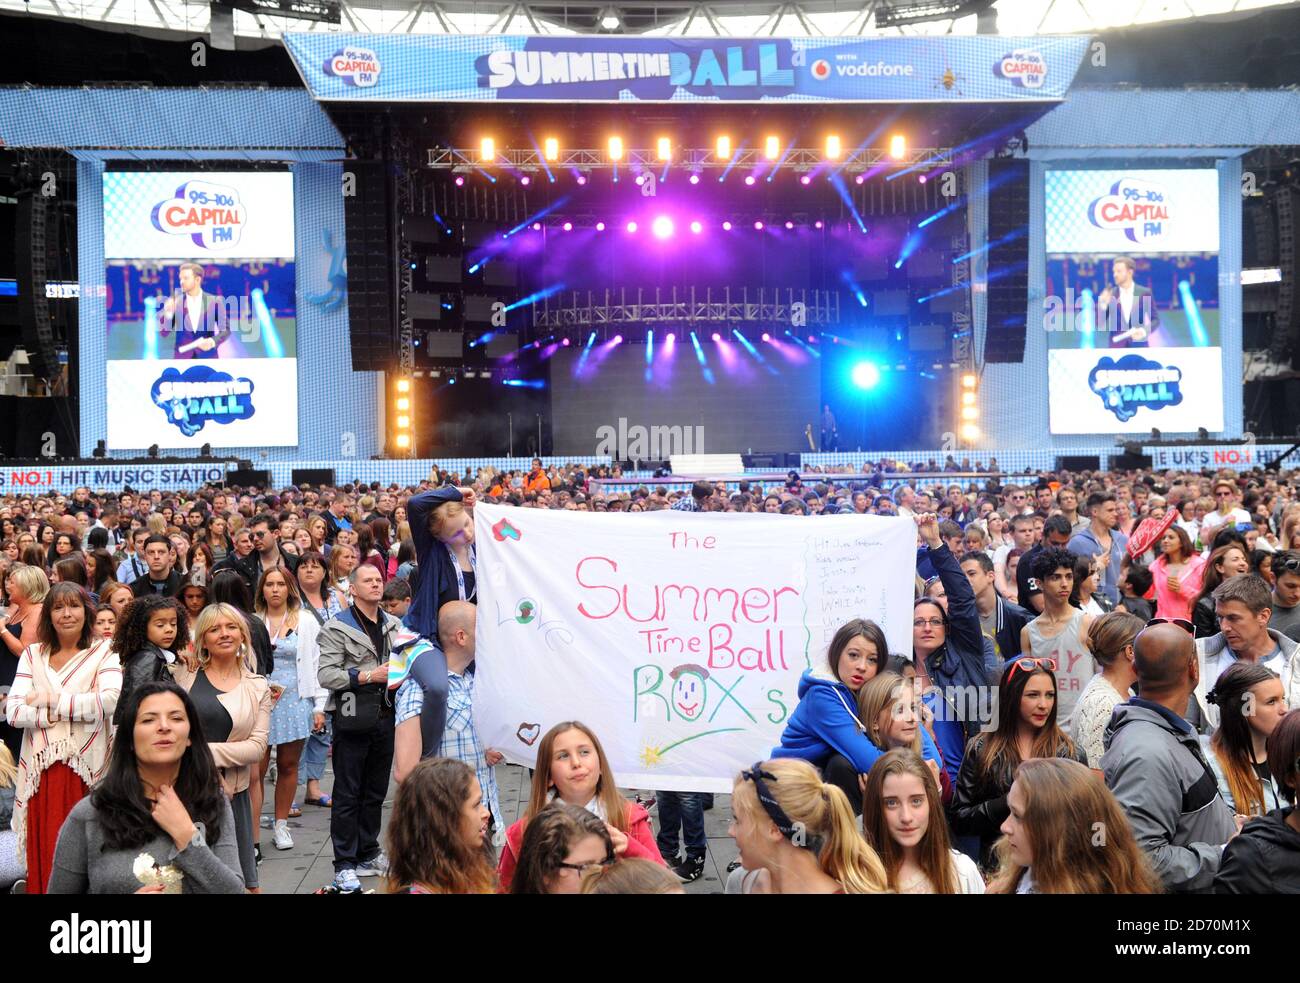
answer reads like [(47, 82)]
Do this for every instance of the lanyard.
[(460, 574)]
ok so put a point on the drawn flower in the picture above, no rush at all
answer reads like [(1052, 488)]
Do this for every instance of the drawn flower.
[(650, 756)]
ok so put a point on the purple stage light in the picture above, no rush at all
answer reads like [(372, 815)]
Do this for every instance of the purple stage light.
[(460, 180), (805, 180), (749, 179), (695, 179), (696, 227), (818, 224), (537, 226), (600, 226), (662, 227), (759, 226), (631, 226), (525, 180), (716, 336), (671, 339), (859, 179), (582, 179), (640, 179), (726, 226), (565, 342), (618, 339), (789, 225), (812, 339), (921, 179), (766, 336), (567, 226)]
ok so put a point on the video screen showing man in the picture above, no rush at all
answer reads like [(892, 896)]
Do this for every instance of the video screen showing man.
[(1126, 308), (199, 320)]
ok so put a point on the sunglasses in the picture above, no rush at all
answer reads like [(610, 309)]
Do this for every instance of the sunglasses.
[(1182, 623), (1028, 664), (584, 869)]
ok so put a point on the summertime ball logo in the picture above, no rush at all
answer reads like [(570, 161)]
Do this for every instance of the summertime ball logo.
[(821, 69), (210, 214), (201, 394), (1023, 67), (1139, 209), (355, 66), (1127, 384)]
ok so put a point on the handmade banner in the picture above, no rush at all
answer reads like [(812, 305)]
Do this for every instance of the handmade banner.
[(678, 637)]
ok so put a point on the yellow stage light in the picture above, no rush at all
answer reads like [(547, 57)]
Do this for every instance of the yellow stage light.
[(487, 150), (833, 148), (723, 149), (897, 147), (552, 148), (772, 148), (615, 148)]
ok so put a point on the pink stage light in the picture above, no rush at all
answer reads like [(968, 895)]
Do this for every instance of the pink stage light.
[(766, 336), (805, 180), (859, 179), (921, 179), (631, 226), (696, 227), (818, 224), (759, 226), (726, 226), (618, 339), (716, 336), (460, 180), (525, 180), (671, 339), (565, 343), (662, 227), (749, 179), (537, 226), (640, 179), (567, 226), (695, 179), (582, 179), (789, 225), (600, 226)]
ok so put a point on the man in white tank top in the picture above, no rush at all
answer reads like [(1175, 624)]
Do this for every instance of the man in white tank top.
[(1060, 631)]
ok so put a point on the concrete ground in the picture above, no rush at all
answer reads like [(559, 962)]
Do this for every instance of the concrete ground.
[(309, 864)]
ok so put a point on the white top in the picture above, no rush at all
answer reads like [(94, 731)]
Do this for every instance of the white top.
[(968, 874), (1213, 520), (1091, 715), (1074, 665)]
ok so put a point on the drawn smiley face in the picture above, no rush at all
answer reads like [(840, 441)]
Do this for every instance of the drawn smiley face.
[(690, 691)]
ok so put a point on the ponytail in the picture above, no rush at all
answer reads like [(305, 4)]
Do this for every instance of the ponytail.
[(845, 855)]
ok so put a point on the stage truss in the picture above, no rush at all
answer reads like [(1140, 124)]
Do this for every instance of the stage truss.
[(798, 159)]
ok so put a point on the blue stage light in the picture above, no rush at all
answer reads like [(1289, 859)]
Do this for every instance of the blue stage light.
[(866, 375)]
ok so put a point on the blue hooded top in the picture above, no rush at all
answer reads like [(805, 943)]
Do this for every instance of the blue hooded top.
[(825, 723)]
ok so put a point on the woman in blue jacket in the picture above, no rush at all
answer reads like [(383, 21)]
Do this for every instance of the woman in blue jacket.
[(824, 728)]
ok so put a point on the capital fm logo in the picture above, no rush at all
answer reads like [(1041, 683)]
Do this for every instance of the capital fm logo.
[(355, 66), (1023, 67), (211, 215), (1139, 209)]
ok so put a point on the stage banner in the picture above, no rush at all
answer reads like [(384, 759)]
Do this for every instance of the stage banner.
[(678, 637), (1115, 390), (37, 480), (472, 68), (1234, 457)]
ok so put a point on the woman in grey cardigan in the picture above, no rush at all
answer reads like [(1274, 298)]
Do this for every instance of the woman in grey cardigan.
[(158, 822)]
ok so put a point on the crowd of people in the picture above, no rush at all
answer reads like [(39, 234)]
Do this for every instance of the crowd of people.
[(1090, 651)]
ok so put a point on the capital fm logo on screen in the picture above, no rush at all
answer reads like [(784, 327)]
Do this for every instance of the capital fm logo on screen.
[(1137, 208), (202, 394), (1023, 67), (210, 214), (1130, 382), (355, 66)]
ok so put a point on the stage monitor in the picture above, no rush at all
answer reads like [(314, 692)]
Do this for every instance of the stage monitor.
[(424, 307), (501, 273), (421, 228), (444, 344), (889, 303), (1131, 301), (201, 308), (443, 269)]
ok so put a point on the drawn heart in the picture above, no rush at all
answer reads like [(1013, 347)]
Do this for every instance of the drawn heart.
[(528, 733), (503, 530)]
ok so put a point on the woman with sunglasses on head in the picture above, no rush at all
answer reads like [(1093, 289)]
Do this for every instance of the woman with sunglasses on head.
[(825, 729), (560, 845), (1055, 809), (1265, 857), (903, 820), (1251, 702), (1110, 639), (1026, 728)]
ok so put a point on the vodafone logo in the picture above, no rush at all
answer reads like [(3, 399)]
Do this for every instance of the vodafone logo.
[(821, 69)]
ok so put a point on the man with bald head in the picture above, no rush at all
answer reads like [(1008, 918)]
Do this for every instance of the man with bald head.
[(1154, 766)]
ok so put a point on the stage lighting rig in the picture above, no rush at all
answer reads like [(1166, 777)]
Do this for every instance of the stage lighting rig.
[(321, 11)]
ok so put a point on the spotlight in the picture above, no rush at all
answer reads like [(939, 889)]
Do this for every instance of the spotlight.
[(640, 179), (968, 380), (695, 179), (525, 180), (859, 179), (615, 148), (805, 180), (567, 226), (970, 432), (631, 226), (487, 150), (403, 385), (672, 337), (460, 180), (833, 147), (897, 146), (723, 148), (921, 179), (565, 342), (600, 227), (696, 227), (618, 339), (758, 225), (153, 451), (551, 148), (818, 224), (403, 441), (665, 148), (772, 148), (610, 21), (662, 227), (866, 375), (716, 336), (749, 179), (789, 225), (766, 336), (582, 179), (537, 226), (726, 226)]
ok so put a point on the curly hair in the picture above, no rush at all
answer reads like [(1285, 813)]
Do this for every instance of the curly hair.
[(132, 632), (548, 838), (426, 845)]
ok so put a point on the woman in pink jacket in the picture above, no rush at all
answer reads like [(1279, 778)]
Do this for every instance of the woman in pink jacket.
[(571, 767), (1177, 574)]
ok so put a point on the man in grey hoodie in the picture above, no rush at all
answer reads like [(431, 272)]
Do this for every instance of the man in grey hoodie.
[(1154, 766)]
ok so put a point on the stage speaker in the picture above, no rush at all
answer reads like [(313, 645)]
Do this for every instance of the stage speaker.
[(443, 269), (503, 344), (245, 477), (372, 300), (927, 338), (418, 228), (444, 344), (771, 462), (313, 476), (500, 273), (927, 264), (479, 309), (1008, 260), (1079, 462), (424, 307), (1130, 462), (889, 303), (871, 266), (30, 222)]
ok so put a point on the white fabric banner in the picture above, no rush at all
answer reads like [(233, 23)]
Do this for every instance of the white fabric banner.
[(677, 637)]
